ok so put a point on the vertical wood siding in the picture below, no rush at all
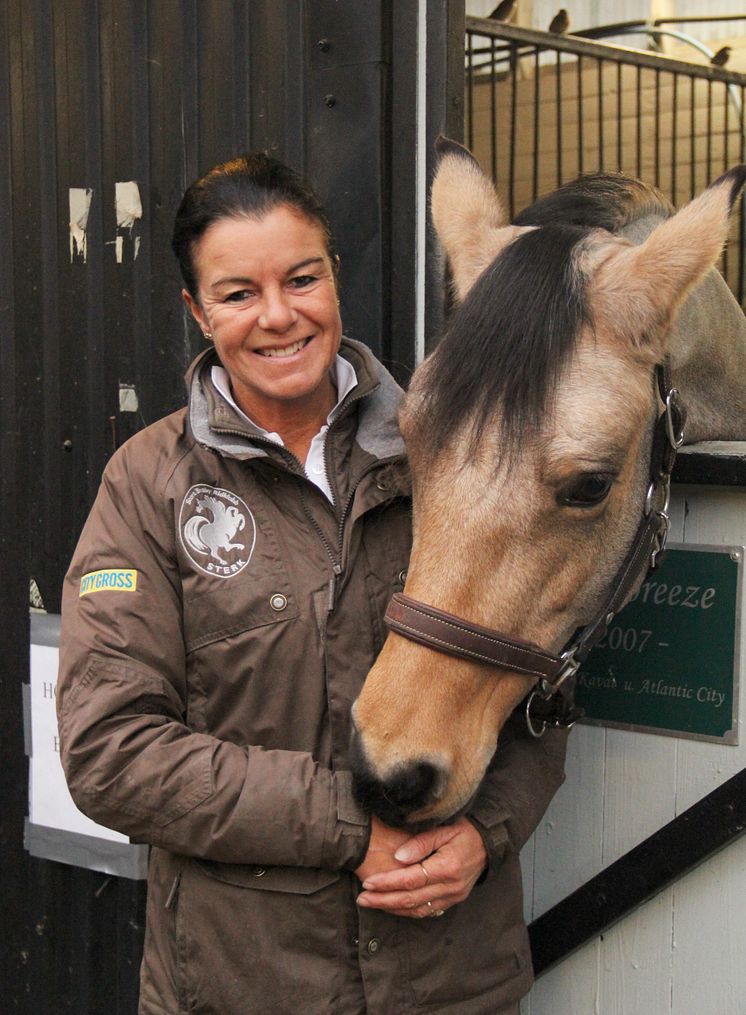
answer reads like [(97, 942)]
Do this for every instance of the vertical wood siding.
[(95, 93)]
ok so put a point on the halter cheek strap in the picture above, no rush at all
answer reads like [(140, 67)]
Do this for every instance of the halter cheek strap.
[(551, 702)]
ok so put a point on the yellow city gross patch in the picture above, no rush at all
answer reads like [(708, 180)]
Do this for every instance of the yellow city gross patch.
[(110, 579)]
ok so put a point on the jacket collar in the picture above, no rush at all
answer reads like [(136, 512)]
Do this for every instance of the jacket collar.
[(217, 426)]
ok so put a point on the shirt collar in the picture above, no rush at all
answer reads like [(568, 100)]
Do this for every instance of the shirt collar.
[(346, 380)]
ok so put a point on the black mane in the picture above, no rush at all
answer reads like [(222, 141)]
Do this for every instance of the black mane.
[(507, 343), (597, 201), (508, 340)]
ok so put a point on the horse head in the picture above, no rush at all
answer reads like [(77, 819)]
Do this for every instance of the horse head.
[(529, 433)]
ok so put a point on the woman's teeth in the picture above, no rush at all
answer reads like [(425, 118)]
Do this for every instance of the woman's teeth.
[(289, 350)]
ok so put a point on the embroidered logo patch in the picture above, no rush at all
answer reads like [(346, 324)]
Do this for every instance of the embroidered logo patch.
[(217, 530), (109, 579)]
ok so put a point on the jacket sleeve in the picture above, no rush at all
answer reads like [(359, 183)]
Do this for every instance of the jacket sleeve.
[(520, 781), (131, 761)]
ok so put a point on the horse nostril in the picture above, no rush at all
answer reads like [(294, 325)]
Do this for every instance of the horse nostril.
[(410, 787), (394, 799)]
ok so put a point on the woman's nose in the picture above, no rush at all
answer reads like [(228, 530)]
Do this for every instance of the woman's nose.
[(277, 312)]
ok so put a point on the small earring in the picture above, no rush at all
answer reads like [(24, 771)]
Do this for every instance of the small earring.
[(208, 336)]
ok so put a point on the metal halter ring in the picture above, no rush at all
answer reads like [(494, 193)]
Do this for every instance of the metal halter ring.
[(673, 405), (654, 490), (535, 731)]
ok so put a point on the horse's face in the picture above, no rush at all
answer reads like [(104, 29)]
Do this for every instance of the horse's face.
[(502, 545), (520, 528)]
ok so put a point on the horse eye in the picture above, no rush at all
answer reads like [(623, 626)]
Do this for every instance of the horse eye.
[(586, 491)]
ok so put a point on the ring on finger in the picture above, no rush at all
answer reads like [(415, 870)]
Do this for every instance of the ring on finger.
[(434, 912), (424, 871)]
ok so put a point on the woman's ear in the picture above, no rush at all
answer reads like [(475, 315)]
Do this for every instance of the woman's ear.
[(197, 313)]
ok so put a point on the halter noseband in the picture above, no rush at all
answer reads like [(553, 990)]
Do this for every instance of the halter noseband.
[(551, 702)]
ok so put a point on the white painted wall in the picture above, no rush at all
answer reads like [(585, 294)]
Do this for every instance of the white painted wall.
[(684, 952)]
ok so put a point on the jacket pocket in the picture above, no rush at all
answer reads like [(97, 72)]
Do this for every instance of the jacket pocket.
[(234, 605), (269, 944), (216, 607), (295, 880), (481, 946)]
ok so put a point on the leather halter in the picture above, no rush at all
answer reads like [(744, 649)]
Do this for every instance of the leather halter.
[(551, 702)]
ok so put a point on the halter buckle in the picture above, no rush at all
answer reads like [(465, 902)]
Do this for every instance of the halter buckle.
[(570, 666)]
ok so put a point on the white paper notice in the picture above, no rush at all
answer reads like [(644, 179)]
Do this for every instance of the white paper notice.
[(50, 802)]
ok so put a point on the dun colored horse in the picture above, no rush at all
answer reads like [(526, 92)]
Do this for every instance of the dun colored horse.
[(530, 432)]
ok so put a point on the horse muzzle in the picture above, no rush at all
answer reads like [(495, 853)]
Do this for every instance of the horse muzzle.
[(399, 797)]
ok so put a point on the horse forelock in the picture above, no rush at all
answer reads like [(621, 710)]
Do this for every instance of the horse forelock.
[(598, 201), (508, 341)]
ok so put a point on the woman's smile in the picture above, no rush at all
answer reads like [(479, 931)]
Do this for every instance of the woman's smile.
[(283, 352)]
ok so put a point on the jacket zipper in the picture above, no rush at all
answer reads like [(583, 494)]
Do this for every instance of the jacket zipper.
[(172, 895), (335, 559), (297, 470)]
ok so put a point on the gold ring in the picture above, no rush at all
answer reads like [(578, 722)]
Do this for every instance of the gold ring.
[(424, 871)]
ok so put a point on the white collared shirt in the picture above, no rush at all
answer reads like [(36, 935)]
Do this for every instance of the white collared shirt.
[(346, 380)]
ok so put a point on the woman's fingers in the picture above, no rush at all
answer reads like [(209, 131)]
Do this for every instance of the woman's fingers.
[(432, 882)]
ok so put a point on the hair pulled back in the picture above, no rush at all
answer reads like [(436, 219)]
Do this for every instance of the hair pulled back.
[(251, 185)]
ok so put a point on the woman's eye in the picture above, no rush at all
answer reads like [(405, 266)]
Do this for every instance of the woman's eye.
[(586, 491), (301, 281), (238, 296)]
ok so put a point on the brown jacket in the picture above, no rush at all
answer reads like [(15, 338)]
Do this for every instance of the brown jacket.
[(219, 618)]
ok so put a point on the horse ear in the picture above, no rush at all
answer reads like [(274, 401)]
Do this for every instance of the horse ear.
[(467, 214), (639, 289)]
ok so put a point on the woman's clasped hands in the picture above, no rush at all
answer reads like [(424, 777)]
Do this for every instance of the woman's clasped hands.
[(420, 875)]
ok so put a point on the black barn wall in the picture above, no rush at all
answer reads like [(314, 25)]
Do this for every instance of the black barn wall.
[(95, 92)]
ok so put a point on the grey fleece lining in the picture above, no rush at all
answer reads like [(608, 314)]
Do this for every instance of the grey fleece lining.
[(377, 434), (227, 444)]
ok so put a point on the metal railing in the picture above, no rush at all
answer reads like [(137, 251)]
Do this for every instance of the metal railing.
[(542, 109)]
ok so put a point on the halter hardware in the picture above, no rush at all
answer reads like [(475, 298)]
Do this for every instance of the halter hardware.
[(551, 702)]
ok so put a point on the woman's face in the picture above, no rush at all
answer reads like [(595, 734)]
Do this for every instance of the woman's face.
[(268, 297)]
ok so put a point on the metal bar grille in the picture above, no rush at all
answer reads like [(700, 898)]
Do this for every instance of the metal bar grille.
[(564, 105)]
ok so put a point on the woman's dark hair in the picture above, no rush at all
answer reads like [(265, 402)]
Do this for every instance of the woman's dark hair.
[(251, 185)]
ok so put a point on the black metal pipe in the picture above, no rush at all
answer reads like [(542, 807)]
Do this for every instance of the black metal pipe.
[(558, 92), (537, 128), (513, 126), (580, 114), (600, 84)]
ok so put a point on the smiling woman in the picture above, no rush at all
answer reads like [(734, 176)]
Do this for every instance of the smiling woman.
[(264, 529)]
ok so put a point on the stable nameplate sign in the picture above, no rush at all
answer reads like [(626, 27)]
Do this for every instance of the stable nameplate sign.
[(668, 663)]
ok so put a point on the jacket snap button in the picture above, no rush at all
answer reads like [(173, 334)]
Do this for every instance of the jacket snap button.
[(403, 577), (374, 945), (278, 602), (259, 872), (381, 484)]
